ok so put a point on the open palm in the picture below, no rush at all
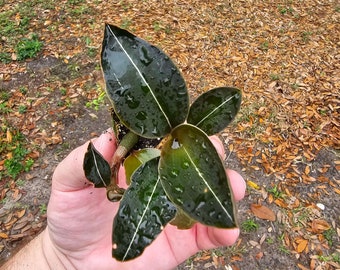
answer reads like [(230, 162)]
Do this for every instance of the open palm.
[(80, 220)]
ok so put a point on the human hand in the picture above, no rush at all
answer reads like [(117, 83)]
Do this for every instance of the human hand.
[(80, 220)]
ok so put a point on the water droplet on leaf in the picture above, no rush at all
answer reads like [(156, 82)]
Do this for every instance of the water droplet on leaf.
[(175, 144), (141, 115), (145, 58), (174, 173), (179, 189), (185, 165), (166, 81)]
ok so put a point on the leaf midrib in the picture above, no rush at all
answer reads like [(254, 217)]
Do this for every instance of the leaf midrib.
[(141, 76), (201, 176), (140, 221), (214, 110), (96, 165)]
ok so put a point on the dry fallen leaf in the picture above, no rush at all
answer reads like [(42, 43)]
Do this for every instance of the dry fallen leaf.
[(259, 255), (3, 235), (319, 226), (301, 245), (253, 184), (263, 212)]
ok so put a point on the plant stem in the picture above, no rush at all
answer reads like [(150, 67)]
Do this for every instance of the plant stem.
[(113, 192)]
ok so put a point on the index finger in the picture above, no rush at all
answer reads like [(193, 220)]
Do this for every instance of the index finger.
[(69, 174)]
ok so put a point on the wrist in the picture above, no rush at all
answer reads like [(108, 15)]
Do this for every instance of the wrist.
[(31, 256), (55, 258), (39, 254)]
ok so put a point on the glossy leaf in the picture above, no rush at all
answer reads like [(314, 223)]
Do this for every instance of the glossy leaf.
[(147, 90), (143, 213), (194, 178), (182, 221), (96, 168), (215, 109), (136, 159)]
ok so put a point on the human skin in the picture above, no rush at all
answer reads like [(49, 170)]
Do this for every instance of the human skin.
[(78, 233)]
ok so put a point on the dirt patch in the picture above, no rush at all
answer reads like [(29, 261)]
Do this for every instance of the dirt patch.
[(284, 142), (263, 248)]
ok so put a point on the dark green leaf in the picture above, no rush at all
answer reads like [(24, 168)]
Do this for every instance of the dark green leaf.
[(215, 109), (147, 90), (137, 158), (194, 178), (96, 168), (143, 213)]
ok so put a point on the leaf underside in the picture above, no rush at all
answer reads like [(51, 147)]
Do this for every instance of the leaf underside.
[(148, 93), (143, 213), (215, 109), (136, 159), (96, 168), (194, 178)]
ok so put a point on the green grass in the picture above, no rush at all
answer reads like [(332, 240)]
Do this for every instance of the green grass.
[(264, 46), (28, 48), (329, 234), (126, 23), (274, 77), (157, 26), (22, 109), (43, 208), (306, 35), (4, 108), (15, 24), (275, 192), (15, 154), (5, 57), (249, 225), (97, 102), (285, 10)]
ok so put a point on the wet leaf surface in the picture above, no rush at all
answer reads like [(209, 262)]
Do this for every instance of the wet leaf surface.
[(214, 110), (96, 168), (143, 213), (147, 90), (136, 159), (281, 56), (194, 177)]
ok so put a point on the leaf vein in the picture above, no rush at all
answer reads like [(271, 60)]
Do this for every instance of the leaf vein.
[(214, 110), (208, 186), (140, 221), (142, 77), (96, 165)]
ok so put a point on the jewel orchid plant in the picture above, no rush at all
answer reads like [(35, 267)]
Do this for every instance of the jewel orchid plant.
[(177, 177)]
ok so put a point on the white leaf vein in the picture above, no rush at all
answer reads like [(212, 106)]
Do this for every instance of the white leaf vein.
[(141, 76), (96, 166), (200, 174), (214, 110), (141, 220)]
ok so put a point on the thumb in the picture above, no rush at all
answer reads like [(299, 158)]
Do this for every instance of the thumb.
[(69, 174)]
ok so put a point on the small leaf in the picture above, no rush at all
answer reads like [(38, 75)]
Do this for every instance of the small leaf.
[(320, 225), (96, 168), (136, 159), (215, 109), (262, 212), (143, 213), (302, 244), (148, 93), (182, 220), (194, 178)]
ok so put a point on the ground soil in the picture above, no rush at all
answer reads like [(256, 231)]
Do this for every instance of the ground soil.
[(78, 124), (285, 142)]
